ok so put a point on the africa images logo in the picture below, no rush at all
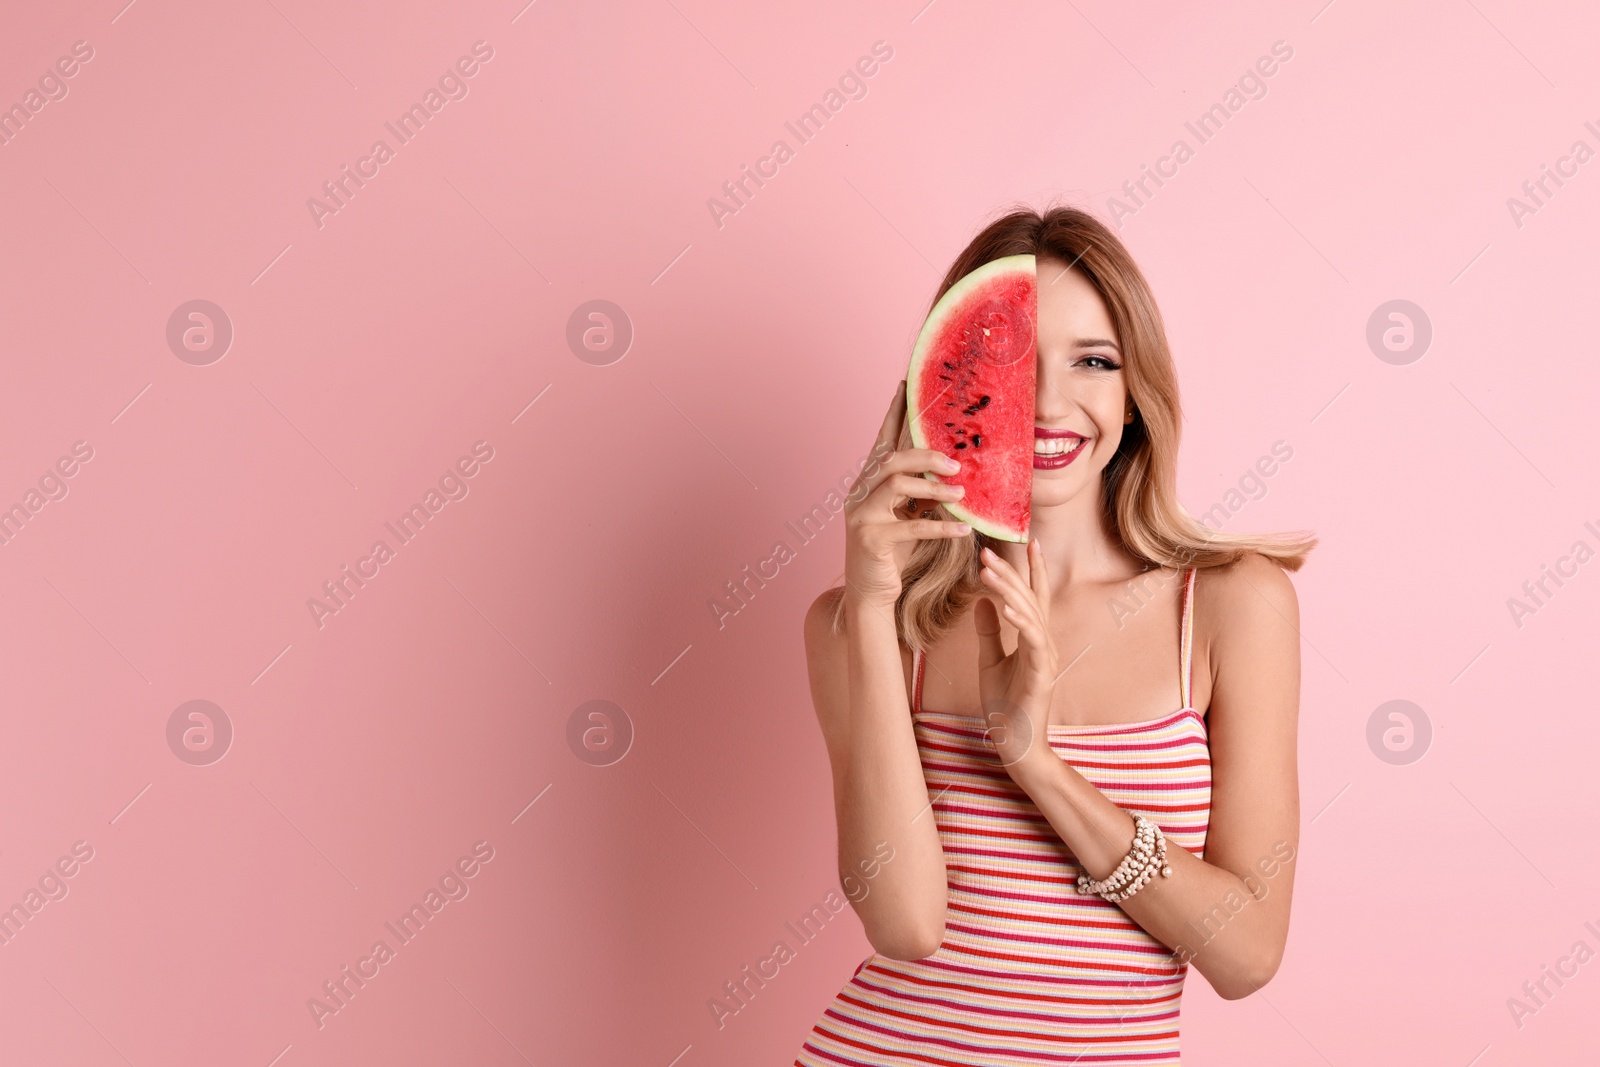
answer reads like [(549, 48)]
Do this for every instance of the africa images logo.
[(453, 885)]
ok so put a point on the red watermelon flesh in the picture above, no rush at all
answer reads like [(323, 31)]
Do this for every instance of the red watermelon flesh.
[(970, 392)]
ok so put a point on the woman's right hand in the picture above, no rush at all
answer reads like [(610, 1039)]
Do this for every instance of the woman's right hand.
[(880, 532)]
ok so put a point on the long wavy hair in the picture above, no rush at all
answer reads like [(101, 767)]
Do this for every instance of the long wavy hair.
[(1139, 485)]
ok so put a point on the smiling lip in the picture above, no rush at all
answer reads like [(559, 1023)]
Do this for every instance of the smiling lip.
[(1056, 461)]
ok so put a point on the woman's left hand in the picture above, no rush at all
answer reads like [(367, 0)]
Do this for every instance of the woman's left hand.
[(1015, 688)]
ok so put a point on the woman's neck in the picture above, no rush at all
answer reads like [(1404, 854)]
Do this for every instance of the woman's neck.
[(1078, 545)]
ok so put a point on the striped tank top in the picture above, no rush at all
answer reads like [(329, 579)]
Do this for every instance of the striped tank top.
[(1031, 971)]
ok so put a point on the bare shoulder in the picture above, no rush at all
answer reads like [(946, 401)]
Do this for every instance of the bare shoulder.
[(827, 658), (821, 639), (827, 669), (1250, 592), (1249, 619)]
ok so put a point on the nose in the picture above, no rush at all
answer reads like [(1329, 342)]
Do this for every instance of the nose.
[(1053, 400)]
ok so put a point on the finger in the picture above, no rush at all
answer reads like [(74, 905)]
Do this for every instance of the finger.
[(896, 489), (882, 446), (1010, 580), (987, 623), (1002, 566), (893, 421), (1034, 646), (1017, 605), (1039, 576), (1031, 633), (924, 530), (903, 461), (918, 461)]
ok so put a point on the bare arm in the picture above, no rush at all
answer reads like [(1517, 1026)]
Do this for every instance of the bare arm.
[(880, 797), (1229, 913), (858, 687)]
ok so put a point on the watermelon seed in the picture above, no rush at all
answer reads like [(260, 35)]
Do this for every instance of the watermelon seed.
[(977, 439), (961, 444), (983, 401)]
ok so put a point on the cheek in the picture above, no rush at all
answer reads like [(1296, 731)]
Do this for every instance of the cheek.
[(1106, 445), (1106, 409)]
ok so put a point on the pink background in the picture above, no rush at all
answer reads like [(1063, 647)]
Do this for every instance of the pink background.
[(369, 354)]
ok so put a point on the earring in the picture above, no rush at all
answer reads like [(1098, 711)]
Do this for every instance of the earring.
[(1127, 418)]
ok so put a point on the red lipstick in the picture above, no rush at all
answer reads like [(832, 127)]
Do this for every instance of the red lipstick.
[(1050, 461)]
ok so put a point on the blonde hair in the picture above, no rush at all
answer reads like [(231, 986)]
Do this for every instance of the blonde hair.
[(1139, 486)]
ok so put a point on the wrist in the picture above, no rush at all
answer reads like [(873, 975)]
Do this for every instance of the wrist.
[(1033, 769), (859, 604)]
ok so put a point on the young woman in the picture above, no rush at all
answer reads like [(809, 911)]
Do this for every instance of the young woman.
[(1037, 845)]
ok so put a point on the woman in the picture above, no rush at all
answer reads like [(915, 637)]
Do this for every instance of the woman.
[(1037, 846)]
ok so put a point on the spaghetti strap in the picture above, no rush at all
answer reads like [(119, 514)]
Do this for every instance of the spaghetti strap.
[(1186, 641), (917, 661)]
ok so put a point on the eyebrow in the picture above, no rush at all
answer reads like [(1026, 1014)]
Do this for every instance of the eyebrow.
[(1095, 342)]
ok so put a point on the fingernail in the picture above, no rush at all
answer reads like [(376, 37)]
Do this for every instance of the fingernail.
[(952, 464)]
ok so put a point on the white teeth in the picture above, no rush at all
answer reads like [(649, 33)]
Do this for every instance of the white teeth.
[(1056, 446)]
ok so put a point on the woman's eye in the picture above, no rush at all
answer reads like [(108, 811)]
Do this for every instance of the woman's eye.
[(1101, 363)]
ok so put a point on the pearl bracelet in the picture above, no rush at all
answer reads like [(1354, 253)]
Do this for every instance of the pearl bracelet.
[(1146, 856), (1159, 862), (1137, 858)]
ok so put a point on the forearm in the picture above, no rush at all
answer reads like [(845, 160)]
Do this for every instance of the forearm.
[(1185, 911), (882, 796)]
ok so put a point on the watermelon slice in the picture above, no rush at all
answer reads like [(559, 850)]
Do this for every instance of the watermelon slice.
[(970, 392)]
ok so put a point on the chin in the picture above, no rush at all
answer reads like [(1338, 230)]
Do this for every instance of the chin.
[(1054, 496)]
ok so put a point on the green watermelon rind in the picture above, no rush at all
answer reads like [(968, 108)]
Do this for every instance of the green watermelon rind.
[(941, 313)]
